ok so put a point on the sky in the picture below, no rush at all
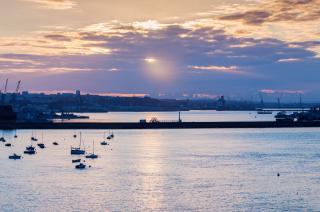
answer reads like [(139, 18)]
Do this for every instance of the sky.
[(242, 49)]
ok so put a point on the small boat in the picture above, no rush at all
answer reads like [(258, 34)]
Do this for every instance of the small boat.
[(15, 136), (264, 112), (15, 157), (104, 143), (55, 143), (30, 150), (74, 135), (92, 155), (80, 166), (8, 145), (2, 139), (76, 161), (41, 145), (110, 136), (34, 139), (77, 151)]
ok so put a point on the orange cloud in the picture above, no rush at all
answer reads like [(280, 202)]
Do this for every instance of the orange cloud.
[(278, 11), (54, 4)]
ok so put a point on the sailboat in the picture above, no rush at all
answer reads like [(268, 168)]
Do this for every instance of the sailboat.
[(33, 138), (15, 157), (41, 145), (15, 134), (104, 143), (30, 150), (78, 150), (76, 161), (110, 136), (92, 155), (81, 166)]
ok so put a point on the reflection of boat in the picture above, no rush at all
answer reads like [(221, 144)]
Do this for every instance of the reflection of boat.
[(78, 150), (80, 166), (14, 157)]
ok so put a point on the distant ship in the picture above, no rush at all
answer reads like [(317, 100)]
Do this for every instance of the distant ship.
[(264, 112), (313, 114)]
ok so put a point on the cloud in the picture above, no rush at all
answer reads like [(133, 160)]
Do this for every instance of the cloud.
[(109, 57), (278, 11), (228, 69), (54, 4), (271, 91), (57, 37), (287, 60), (251, 17)]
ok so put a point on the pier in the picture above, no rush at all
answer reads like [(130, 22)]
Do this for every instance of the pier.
[(160, 125)]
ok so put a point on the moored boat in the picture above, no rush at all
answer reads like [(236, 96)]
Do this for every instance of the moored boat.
[(81, 166), (76, 161), (15, 157), (30, 150)]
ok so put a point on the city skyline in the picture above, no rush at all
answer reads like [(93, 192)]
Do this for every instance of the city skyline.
[(163, 48)]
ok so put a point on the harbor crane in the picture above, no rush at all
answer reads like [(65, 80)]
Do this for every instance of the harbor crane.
[(14, 95), (3, 95)]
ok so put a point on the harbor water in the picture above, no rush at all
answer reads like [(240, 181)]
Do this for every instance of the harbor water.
[(165, 170), (187, 116)]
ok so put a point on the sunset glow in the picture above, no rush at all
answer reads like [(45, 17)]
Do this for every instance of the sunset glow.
[(218, 46)]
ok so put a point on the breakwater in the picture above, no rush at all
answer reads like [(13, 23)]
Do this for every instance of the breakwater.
[(170, 125)]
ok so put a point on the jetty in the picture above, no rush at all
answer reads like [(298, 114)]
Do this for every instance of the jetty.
[(159, 125)]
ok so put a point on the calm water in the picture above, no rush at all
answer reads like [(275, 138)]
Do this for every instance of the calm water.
[(166, 170), (173, 116)]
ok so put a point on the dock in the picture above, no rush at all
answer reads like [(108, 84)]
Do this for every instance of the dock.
[(160, 125)]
